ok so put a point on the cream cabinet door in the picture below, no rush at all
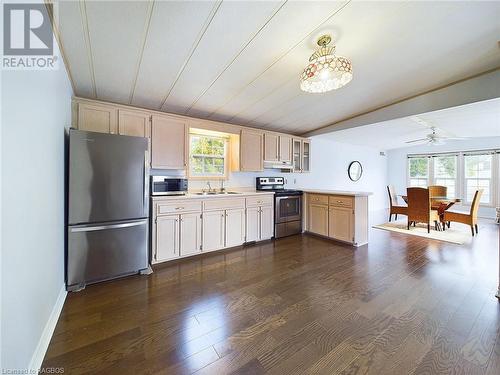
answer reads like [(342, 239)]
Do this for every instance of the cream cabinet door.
[(251, 151), (168, 143), (285, 148), (190, 234), (341, 224), (134, 123), (318, 219), (235, 227), (266, 222), (213, 230), (271, 147), (167, 238), (97, 118), (253, 224)]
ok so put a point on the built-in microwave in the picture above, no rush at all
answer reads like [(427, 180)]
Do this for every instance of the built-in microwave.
[(168, 185)]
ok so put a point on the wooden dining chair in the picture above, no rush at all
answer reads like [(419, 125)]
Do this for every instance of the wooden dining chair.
[(466, 218), (437, 191), (419, 208), (393, 200)]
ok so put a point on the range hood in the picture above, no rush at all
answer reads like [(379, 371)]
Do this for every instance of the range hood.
[(282, 165)]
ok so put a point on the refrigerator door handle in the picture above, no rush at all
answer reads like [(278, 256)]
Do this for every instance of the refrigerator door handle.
[(110, 226)]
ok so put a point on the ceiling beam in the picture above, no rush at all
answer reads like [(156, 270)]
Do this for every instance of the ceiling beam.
[(483, 86)]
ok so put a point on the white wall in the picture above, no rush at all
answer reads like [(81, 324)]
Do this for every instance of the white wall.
[(330, 160), (397, 162), (35, 111)]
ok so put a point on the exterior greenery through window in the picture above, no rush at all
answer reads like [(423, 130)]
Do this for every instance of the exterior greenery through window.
[(462, 173), (478, 175), (207, 156), (445, 173), (419, 171)]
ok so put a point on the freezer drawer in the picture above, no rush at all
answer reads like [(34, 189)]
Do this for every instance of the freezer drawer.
[(104, 251)]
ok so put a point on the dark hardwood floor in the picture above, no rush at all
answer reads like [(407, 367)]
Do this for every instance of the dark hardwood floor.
[(302, 304)]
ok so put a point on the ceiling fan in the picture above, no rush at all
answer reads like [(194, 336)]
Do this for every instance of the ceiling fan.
[(432, 138)]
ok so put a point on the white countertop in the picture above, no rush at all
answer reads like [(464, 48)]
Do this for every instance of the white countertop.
[(338, 192), (212, 196)]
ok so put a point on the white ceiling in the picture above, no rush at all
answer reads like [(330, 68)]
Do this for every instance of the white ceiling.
[(240, 61), (477, 120)]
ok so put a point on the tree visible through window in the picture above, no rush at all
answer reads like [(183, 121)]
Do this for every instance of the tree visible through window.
[(478, 175), (445, 173), (419, 171), (207, 156)]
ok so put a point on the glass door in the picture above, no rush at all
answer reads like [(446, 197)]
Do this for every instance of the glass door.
[(297, 145), (306, 160)]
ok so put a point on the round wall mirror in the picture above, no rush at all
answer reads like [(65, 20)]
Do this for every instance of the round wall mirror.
[(355, 170)]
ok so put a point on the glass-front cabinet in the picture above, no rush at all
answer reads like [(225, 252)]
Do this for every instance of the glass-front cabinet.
[(301, 155), (306, 156), (297, 155)]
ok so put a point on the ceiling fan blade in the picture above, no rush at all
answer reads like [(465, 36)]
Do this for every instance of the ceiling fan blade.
[(417, 140)]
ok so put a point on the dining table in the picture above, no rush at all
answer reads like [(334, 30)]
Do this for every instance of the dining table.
[(440, 203)]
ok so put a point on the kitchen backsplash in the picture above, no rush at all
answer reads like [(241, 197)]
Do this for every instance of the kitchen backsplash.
[(235, 180)]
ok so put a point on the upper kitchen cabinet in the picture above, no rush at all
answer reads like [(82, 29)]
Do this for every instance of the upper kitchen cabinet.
[(285, 154), (297, 155), (251, 151), (97, 118), (135, 123), (271, 147), (168, 142), (306, 157)]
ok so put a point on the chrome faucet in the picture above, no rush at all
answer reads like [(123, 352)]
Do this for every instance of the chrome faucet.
[(222, 188), (209, 186)]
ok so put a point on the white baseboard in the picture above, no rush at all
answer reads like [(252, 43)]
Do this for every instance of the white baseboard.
[(48, 331)]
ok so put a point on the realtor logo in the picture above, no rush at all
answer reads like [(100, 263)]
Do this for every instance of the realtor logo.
[(28, 42)]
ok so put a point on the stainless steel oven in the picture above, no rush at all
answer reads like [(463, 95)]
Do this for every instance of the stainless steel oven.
[(167, 185), (287, 206)]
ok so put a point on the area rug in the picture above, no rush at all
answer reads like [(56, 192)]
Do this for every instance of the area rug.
[(458, 235)]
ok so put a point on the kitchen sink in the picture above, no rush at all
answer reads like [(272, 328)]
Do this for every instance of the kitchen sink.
[(217, 193)]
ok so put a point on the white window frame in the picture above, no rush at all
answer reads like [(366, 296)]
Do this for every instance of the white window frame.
[(433, 178), (460, 183), (409, 178), (209, 176), (494, 199)]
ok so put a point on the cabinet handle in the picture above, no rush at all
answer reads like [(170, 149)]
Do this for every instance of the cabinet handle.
[(179, 208)]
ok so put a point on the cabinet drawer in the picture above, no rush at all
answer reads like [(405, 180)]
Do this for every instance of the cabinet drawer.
[(260, 201), (178, 207), (341, 201), (317, 198), (223, 204)]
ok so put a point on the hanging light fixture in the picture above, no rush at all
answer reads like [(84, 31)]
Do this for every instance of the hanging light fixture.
[(325, 71)]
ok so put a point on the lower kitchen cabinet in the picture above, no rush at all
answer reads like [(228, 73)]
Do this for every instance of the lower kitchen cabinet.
[(167, 238), (190, 234), (266, 222), (340, 223), (213, 230), (340, 217), (317, 218), (177, 235), (253, 224), (260, 223), (184, 227), (235, 227)]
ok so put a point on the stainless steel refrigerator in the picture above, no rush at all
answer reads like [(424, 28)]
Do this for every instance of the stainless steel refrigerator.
[(107, 207)]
